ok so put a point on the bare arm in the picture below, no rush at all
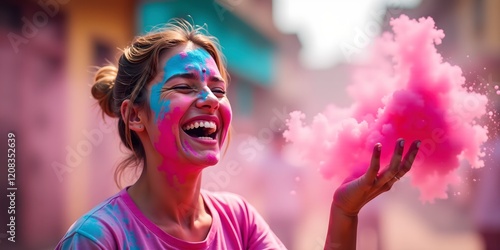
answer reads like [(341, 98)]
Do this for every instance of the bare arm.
[(352, 195)]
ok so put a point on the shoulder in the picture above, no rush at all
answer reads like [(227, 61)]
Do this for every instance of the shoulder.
[(107, 214), (237, 214), (227, 201), (99, 226), (232, 207), (223, 197)]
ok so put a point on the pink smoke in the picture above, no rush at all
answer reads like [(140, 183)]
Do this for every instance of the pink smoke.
[(404, 90)]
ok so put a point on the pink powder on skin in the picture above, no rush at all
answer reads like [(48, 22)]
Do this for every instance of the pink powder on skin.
[(166, 144), (403, 90)]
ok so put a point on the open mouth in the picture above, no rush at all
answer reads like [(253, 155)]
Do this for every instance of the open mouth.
[(205, 130)]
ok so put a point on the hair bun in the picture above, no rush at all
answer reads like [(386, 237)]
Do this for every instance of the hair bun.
[(102, 90)]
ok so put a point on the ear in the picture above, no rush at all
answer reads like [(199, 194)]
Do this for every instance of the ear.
[(135, 121)]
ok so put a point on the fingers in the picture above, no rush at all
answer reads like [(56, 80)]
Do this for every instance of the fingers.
[(408, 159), (371, 173), (396, 157), (393, 169), (396, 170)]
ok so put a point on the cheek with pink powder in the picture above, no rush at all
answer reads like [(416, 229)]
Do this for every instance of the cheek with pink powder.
[(168, 133), (415, 96)]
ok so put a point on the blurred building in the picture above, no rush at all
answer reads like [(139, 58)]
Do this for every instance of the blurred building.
[(64, 151), (33, 99)]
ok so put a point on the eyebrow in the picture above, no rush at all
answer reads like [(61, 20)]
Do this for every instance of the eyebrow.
[(193, 76), (190, 76)]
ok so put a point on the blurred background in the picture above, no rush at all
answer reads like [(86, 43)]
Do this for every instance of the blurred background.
[(282, 56)]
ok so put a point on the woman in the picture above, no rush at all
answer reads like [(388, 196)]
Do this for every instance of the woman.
[(169, 95)]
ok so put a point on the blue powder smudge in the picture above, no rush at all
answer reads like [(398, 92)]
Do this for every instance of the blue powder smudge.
[(193, 60), (203, 95), (159, 106)]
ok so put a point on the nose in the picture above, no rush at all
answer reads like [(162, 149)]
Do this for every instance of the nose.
[(207, 100)]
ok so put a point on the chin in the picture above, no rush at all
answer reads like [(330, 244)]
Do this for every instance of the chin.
[(203, 160), (211, 160)]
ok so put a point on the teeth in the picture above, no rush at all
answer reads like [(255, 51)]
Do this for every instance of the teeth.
[(203, 124), (205, 138)]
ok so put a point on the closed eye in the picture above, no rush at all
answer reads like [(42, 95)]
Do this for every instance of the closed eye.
[(181, 88), (219, 91)]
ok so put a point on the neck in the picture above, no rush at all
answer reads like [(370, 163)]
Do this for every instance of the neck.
[(166, 194)]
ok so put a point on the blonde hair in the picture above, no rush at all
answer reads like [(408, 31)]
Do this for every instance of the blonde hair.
[(136, 68)]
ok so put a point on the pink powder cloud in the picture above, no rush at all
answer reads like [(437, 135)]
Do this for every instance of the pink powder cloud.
[(403, 90)]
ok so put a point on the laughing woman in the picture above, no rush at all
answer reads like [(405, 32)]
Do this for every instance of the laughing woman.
[(169, 95)]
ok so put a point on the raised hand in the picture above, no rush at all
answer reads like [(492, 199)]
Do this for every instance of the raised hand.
[(352, 195)]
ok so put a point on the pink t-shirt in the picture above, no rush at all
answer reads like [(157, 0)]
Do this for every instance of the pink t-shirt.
[(117, 223)]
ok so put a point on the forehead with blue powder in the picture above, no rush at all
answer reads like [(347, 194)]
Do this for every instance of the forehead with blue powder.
[(193, 61)]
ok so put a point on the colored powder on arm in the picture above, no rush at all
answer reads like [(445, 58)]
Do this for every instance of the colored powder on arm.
[(404, 90)]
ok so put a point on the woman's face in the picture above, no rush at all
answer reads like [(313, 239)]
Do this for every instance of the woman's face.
[(190, 111)]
